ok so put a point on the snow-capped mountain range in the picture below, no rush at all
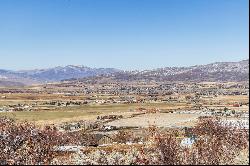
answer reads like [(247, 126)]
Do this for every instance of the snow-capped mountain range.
[(67, 72), (219, 71)]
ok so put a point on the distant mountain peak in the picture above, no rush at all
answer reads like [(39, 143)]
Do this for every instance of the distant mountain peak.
[(66, 72), (77, 66)]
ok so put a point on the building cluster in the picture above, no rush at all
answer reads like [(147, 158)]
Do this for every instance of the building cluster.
[(153, 89)]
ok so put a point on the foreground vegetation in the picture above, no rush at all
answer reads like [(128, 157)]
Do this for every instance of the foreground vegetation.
[(24, 143)]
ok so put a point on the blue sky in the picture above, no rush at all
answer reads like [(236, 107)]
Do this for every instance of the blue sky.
[(125, 34)]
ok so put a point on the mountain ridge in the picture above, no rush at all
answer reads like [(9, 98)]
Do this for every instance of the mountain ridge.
[(218, 71)]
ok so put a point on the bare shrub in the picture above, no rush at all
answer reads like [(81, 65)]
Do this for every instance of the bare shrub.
[(123, 136), (168, 148), (215, 144), (23, 143)]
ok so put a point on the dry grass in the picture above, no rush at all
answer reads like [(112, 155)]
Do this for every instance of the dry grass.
[(85, 111), (158, 119)]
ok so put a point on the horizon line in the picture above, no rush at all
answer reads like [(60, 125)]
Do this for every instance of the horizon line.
[(86, 66)]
